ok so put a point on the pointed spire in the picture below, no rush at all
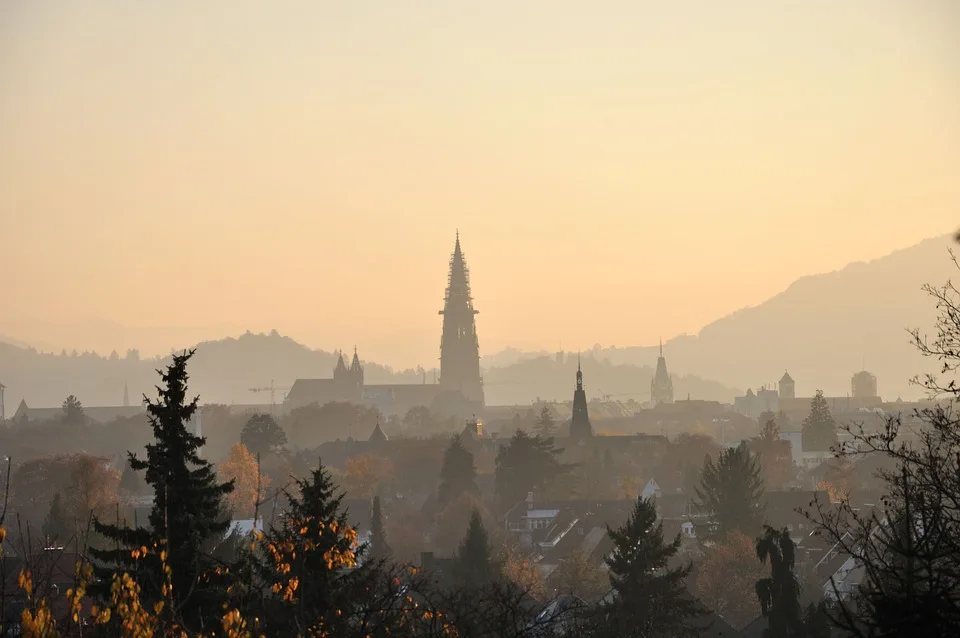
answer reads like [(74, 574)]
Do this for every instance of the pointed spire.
[(378, 434), (661, 346), (580, 427), (579, 374)]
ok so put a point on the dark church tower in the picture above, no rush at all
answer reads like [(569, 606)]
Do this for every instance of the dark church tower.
[(459, 348), (580, 427), (661, 386), (348, 381)]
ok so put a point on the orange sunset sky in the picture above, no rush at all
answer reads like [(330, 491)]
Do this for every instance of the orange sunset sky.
[(618, 169)]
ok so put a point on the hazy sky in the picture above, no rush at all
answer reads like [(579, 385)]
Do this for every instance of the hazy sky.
[(618, 170)]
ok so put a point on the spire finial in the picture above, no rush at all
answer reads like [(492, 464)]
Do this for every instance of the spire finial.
[(578, 361), (661, 346)]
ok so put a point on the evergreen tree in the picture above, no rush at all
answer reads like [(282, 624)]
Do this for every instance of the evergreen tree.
[(526, 464), (458, 474), (475, 566), (650, 599), (731, 489), (819, 428), (187, 517), (308, 552), (379, 549), (131, 481), (545, 427), (780, 593), (72, 411), (261, 434), (57, 528)]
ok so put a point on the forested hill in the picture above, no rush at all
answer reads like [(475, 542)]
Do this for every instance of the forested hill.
[(222, 371)]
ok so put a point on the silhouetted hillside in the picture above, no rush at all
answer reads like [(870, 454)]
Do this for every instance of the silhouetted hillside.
[(822, 328), (553, 379), (222, 371)]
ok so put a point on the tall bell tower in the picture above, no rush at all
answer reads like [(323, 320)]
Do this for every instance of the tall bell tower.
[(459, 347)]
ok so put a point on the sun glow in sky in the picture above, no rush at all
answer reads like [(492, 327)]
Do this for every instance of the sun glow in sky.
[(618, 169)]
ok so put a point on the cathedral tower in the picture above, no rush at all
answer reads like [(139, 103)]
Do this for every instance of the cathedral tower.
[(661, 386), (580, 427), (459, 348)]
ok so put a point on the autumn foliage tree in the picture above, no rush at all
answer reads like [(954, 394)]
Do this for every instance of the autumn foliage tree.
[(249, 485), (364, 473), (522, 570), (576, 575), (726, 579), (774, 455)]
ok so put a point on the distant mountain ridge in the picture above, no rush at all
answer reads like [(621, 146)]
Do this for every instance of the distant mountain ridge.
[(222, 371), (822, 329)]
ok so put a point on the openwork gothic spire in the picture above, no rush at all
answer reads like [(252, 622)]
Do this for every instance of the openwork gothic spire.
[(459, 347)]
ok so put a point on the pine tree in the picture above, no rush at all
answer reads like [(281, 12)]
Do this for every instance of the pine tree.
[(458, 474), (187, 517), (72, 411), (526, 464), (56, 526), (731, 489), (475, 566), (780, 593), (131, 481), (819, 428), (379, 549), (650, 599), (308, 550)]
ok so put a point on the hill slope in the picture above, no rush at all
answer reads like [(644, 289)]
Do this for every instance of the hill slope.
[(222, 371), (822, 329)]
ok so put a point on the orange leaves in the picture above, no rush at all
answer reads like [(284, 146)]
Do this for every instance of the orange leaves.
[(726, 579), (40, 623), (234, 626), (364, 472), (240, 467), (25, 582)]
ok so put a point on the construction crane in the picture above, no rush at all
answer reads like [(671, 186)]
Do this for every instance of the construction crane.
[(272, 389)]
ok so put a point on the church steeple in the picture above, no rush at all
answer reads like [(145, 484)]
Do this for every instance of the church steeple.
[(661, 386), (580, 427), (459, 347)]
